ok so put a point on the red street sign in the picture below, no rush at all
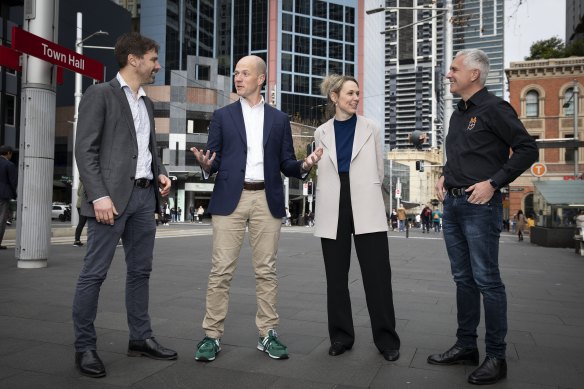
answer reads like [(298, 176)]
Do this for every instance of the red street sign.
[(46, 50), (10, 58)]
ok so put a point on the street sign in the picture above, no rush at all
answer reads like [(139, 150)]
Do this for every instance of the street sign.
[(9, 58), (46, 50), (538, 169)]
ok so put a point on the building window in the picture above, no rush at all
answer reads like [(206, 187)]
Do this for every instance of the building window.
[(10, 110), (569, 102), (569, 153), (532, 104)]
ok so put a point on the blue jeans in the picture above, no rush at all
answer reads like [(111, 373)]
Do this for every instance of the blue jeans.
[(471, 233)]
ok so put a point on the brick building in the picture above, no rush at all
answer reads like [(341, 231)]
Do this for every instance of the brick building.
[(541, 93)]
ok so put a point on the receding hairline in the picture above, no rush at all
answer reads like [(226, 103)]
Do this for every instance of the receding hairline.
[(260, 64)]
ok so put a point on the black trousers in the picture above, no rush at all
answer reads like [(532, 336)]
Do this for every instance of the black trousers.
[(373, 254)]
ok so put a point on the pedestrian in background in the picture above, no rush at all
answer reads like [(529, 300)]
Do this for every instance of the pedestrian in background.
[(121, 177), (82, 218), (520, 222), (249, 147), (401, 218), (437, 219), (8, 187), (350, 174), (482, 132)]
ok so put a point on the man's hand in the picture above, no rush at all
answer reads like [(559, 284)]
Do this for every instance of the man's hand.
[(312, 159), (164, 183), (440, 188), (105, 211), (205, 160), (481, 192)]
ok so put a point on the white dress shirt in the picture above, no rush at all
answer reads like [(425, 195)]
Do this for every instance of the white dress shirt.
[(142, 126), (253, 118)]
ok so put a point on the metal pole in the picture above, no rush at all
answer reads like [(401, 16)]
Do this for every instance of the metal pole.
[(37, 143), (576, 101), (78, 94), (448, 55)]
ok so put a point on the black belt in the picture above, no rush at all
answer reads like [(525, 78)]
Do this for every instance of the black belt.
[(142, 183), (457, 192), (254, 186)]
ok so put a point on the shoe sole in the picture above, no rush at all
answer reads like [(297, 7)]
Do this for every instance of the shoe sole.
[(261, 348), (490, 382), (98, 375), (143, 354), (205, 359), (463, 362)]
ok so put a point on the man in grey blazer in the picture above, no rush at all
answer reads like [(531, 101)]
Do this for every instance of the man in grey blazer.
[(123, 180)]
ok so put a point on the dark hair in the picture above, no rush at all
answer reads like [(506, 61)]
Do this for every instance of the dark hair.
[(133, 43), (4, 150)]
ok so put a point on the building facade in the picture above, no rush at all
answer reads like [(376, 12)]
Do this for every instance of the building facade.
[(541, 91)]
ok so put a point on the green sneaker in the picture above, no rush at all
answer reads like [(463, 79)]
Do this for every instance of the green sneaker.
[(272, 346), (207, 349)]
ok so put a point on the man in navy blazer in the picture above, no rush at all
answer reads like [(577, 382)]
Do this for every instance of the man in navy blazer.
[(249, 145), (8, 185)]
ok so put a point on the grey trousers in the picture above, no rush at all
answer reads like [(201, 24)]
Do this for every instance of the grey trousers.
[(137, 229)]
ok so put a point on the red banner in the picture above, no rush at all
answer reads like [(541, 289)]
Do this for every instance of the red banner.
[(46, 50), (10, 58)]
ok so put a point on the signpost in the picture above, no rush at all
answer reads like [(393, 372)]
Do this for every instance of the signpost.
[(51, 52), (538, 169)]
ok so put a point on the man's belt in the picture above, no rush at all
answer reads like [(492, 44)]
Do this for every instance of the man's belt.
[(254, 186), (457, 192), (142, 183)]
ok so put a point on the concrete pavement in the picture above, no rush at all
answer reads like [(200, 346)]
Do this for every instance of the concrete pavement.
[(545, 297)]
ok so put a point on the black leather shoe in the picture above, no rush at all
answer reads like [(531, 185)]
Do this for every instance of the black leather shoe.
[(491, 371), (89, 364), (456, 355), (391, 355), (337, 348), (150, 348)]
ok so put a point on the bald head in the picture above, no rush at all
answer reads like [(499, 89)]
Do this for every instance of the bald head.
[(249, 76)]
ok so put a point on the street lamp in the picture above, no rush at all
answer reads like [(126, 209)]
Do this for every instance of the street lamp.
[(574, 97), (78, 86)]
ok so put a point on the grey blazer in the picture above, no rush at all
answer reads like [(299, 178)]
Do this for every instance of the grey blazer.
[(106, 148)]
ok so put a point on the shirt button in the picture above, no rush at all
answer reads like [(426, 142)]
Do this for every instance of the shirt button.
[(133, 157)]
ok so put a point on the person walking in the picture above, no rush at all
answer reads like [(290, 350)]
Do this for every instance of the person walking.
[(200, 213), (249, 147), (482, 132), (8, 188), (401, 218), (426, 216), (121, 178), (520, 222), (437, 219), (82, 218), (351, 204)]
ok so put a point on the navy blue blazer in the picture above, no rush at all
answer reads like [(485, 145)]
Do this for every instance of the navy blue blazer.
[(227, 138)]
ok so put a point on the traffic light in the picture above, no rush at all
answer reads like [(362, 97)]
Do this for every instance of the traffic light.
[(309, 188), (420, 166)]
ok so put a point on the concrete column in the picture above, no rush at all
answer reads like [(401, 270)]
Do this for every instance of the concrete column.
[(37, 142)]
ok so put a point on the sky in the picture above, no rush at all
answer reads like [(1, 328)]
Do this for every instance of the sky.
[(527, 21)]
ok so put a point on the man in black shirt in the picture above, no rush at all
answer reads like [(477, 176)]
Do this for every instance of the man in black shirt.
[(481, 134)]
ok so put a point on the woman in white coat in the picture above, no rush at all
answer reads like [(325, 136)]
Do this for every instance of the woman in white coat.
[(350, 202)]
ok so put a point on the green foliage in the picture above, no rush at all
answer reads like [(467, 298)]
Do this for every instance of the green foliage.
[(548, 48), (575, 49)]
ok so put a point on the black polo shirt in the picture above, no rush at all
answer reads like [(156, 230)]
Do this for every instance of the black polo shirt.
[(482, 132)]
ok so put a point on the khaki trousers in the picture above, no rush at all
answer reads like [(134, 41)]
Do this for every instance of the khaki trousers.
[(228, 234)]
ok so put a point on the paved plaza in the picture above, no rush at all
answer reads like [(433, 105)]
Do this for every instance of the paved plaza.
[(545, 289)]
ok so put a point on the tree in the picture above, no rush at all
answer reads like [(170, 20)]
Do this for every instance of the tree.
[(575, 49), (548, 48)]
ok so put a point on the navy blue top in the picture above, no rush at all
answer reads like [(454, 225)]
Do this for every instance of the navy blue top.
[(344, 135)]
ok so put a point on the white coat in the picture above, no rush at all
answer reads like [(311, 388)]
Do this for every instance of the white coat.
[(365, 176)]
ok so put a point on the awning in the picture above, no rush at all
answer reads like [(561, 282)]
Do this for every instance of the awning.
[(409, 204), (561, 193)]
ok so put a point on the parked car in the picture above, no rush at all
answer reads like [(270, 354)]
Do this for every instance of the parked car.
[(61, 212)]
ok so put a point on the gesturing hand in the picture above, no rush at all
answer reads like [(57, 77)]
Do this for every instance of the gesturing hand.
[(312, 159), (205, 160)]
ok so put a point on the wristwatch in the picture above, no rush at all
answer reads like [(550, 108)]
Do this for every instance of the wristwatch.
[(493, 184)]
